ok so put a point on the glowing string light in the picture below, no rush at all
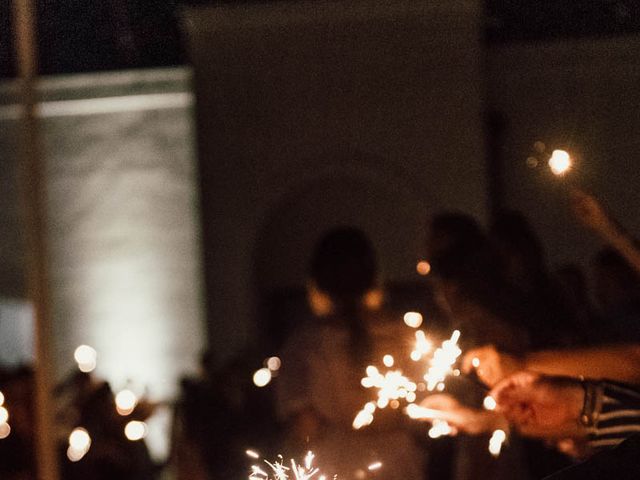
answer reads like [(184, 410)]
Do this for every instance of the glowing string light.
[(440, 428), (79, 444)]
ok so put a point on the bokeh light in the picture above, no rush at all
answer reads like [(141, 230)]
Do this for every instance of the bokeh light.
[(413, 319), (262, 377), (274, 364), (423, 267), (126, 402), (86, 357), (135, 430), (560, 162)]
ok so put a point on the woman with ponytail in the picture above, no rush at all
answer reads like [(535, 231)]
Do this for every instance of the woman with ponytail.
[(319, 390)]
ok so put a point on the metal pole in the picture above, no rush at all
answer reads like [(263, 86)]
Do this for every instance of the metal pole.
[(34, 202)]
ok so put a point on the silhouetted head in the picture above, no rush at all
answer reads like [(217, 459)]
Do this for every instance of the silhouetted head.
[(519, 249), (452, 231), (344, 264), (616, 282)]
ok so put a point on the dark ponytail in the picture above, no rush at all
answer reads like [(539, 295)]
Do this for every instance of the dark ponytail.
[(344, 266)]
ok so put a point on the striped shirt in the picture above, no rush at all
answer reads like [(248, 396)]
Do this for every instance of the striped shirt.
[(616, 414)]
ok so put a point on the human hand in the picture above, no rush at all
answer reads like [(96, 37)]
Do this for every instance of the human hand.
[(590, 212), (465, 419), (539, 406), (490, 365)]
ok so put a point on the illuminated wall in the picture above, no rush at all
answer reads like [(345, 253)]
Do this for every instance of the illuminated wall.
[(123, 225), (316, 114)]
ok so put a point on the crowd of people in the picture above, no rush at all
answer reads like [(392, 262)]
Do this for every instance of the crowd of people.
[(559, 358)]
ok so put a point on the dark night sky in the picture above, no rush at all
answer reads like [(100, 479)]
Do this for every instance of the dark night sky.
[(87, 36)]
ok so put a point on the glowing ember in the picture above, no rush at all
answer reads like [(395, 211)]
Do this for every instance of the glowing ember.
[(4, 415), (262, 377), (560, 162), (423, 267), (441, 364), (274, 364), (417, 412), (489, 403), (79, 444), (279, 471), (135, 430), (388, 361), (440, 428), (126, 402), (86, 357), (391, 386), (422, 346), (495, 442), (413, 319)]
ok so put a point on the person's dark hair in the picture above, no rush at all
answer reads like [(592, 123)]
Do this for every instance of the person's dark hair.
[(344, 266), (514, 236)]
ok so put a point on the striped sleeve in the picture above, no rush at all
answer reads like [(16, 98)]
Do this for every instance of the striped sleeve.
[(617, 415)]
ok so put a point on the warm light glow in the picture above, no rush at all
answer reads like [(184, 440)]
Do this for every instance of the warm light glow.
[(423, 267), (441, 364), (440, 428), (274, 364), (79, 444), (388, 361), (489, 403), (1, 399), (413, 319), (126, 402), (475, 362), (280, 471), (421, 347), (86, 357), (262, 377), (495, 442), (392, 387), (79, 439), (5, 430), (560, 162), (422, 413), (135, 430), (252, 454), (374, 466), (4, 415)]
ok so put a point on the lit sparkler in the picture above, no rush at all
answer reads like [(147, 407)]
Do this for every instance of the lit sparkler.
[(560, 162), (441, 364), (392, 386), (278, 470), (422, 346), (495, 442)]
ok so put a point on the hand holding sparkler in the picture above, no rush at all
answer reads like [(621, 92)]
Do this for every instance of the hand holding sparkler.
[(462, 418), (539, 406), (490, 365)]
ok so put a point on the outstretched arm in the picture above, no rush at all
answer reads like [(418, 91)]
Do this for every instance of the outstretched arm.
[(590, 212)]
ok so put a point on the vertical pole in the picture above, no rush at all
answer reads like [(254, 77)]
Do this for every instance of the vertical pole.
[(33, 201)]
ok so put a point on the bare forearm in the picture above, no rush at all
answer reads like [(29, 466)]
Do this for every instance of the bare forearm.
[(620, 363)]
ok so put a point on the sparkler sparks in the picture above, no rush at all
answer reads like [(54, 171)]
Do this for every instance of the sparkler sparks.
[(441, 363), (392, 386), (279, 471), (496, 441), (422, 346)]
